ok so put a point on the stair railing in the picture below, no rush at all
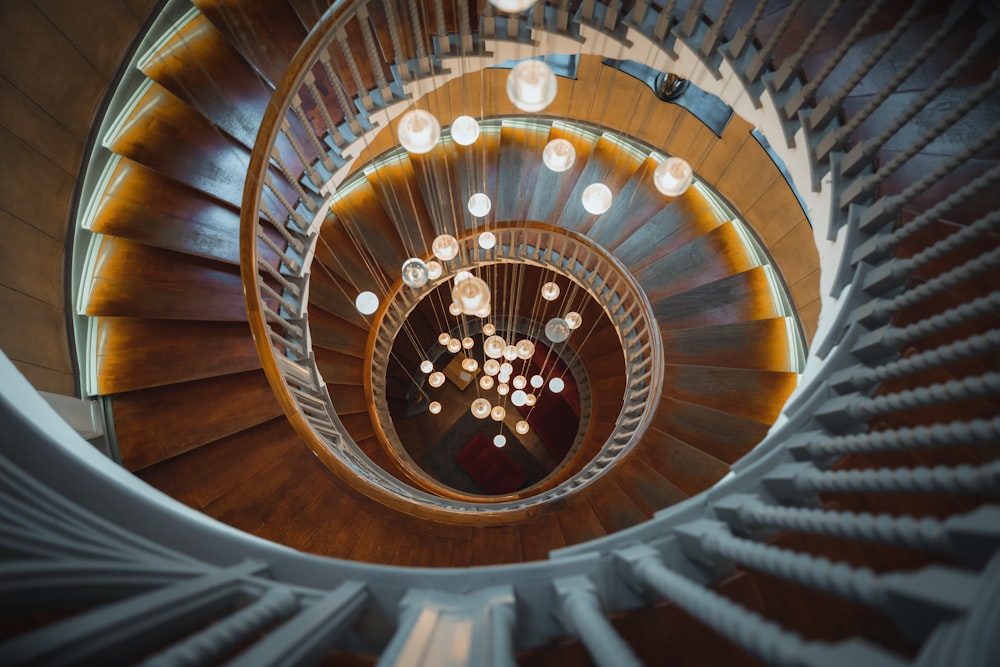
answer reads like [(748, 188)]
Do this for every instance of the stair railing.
[(79, 532)]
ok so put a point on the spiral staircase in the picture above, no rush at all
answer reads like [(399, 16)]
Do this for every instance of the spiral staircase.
[(231, 121)]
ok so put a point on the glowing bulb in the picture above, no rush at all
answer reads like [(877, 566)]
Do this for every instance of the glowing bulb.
[(531, 85), (443, 339), (536, 381), (596, 198), (481, 408), (469, 364), (491, 366), (489, 329), (465, 130), (556, 330), (529, 400), (521, 427), (480, 204), (559, 155), (434, 408), (467, 343), (512, 6), (414, 273), (435, 379), (673, 176), (454, 345), (434, 270), (471, 295), (418, 131), (573, 319), (366, 303), (550, 291), (519, 398), (483, 312), (556, 385), (510, 353), (454, 309), (502, 389), (493, 347), (487, 240), (499, 440), (503, 378), (445, 247), (498, 413), (525, 349), (426, 366), (460, 276), (486, 382), (506, 368), (520, 382)]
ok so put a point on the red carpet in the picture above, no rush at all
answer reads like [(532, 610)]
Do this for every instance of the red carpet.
[(490, 466)]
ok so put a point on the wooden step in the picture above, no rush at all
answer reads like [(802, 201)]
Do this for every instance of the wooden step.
[(223, 87), (717, 254), (138, 354), (539, 536), (744, 296), (612, 505), (753, 394), (607, 164), (339, 368), (688, 468), (632, 208), (266, 32), (403, 203), (368, 226), (334, 333), (475, 169), (718, 434), (552, 189), (152, 425), (135, 280), (518, 171), (756, 344)]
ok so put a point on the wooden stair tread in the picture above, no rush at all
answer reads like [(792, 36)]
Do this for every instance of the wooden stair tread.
[(721, 435), (753, 394), (755, 344), (158, 423), (518, 171), (632, 207), (334, 333), (738, 298), (607, 164), (552, 190), (137, 354), (681, 221), (686, 466)]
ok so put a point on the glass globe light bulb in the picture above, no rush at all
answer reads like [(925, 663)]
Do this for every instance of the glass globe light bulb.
[(483, 312), (454, 345), (520, 382), (529, 400), (489, 329), (556, 385), (460, 276), (525, 349), (467, 343), (434, 408), (673, 176), (486, 382), (503, 378), (471, 295), (487, 240), (521, 427), (596, 198), (493, 347), (443, 339), (480, 204), (499, 440), (531, 85), (434, 270), (415, 273), (556, 330), (506, 368), (510, 353), (558, 155), (465, 130), (550, 291), (418, 131), (573, 319), (491, 366), (366, 303), (426, 366), (502, 389), (445, 247), (481, 408), (454, 309), (471, 365), (518, 398), (512, 6), (536, 381), (498, 413), (435, 379)]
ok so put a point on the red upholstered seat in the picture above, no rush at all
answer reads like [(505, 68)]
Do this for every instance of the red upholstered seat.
[(490, 466)]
